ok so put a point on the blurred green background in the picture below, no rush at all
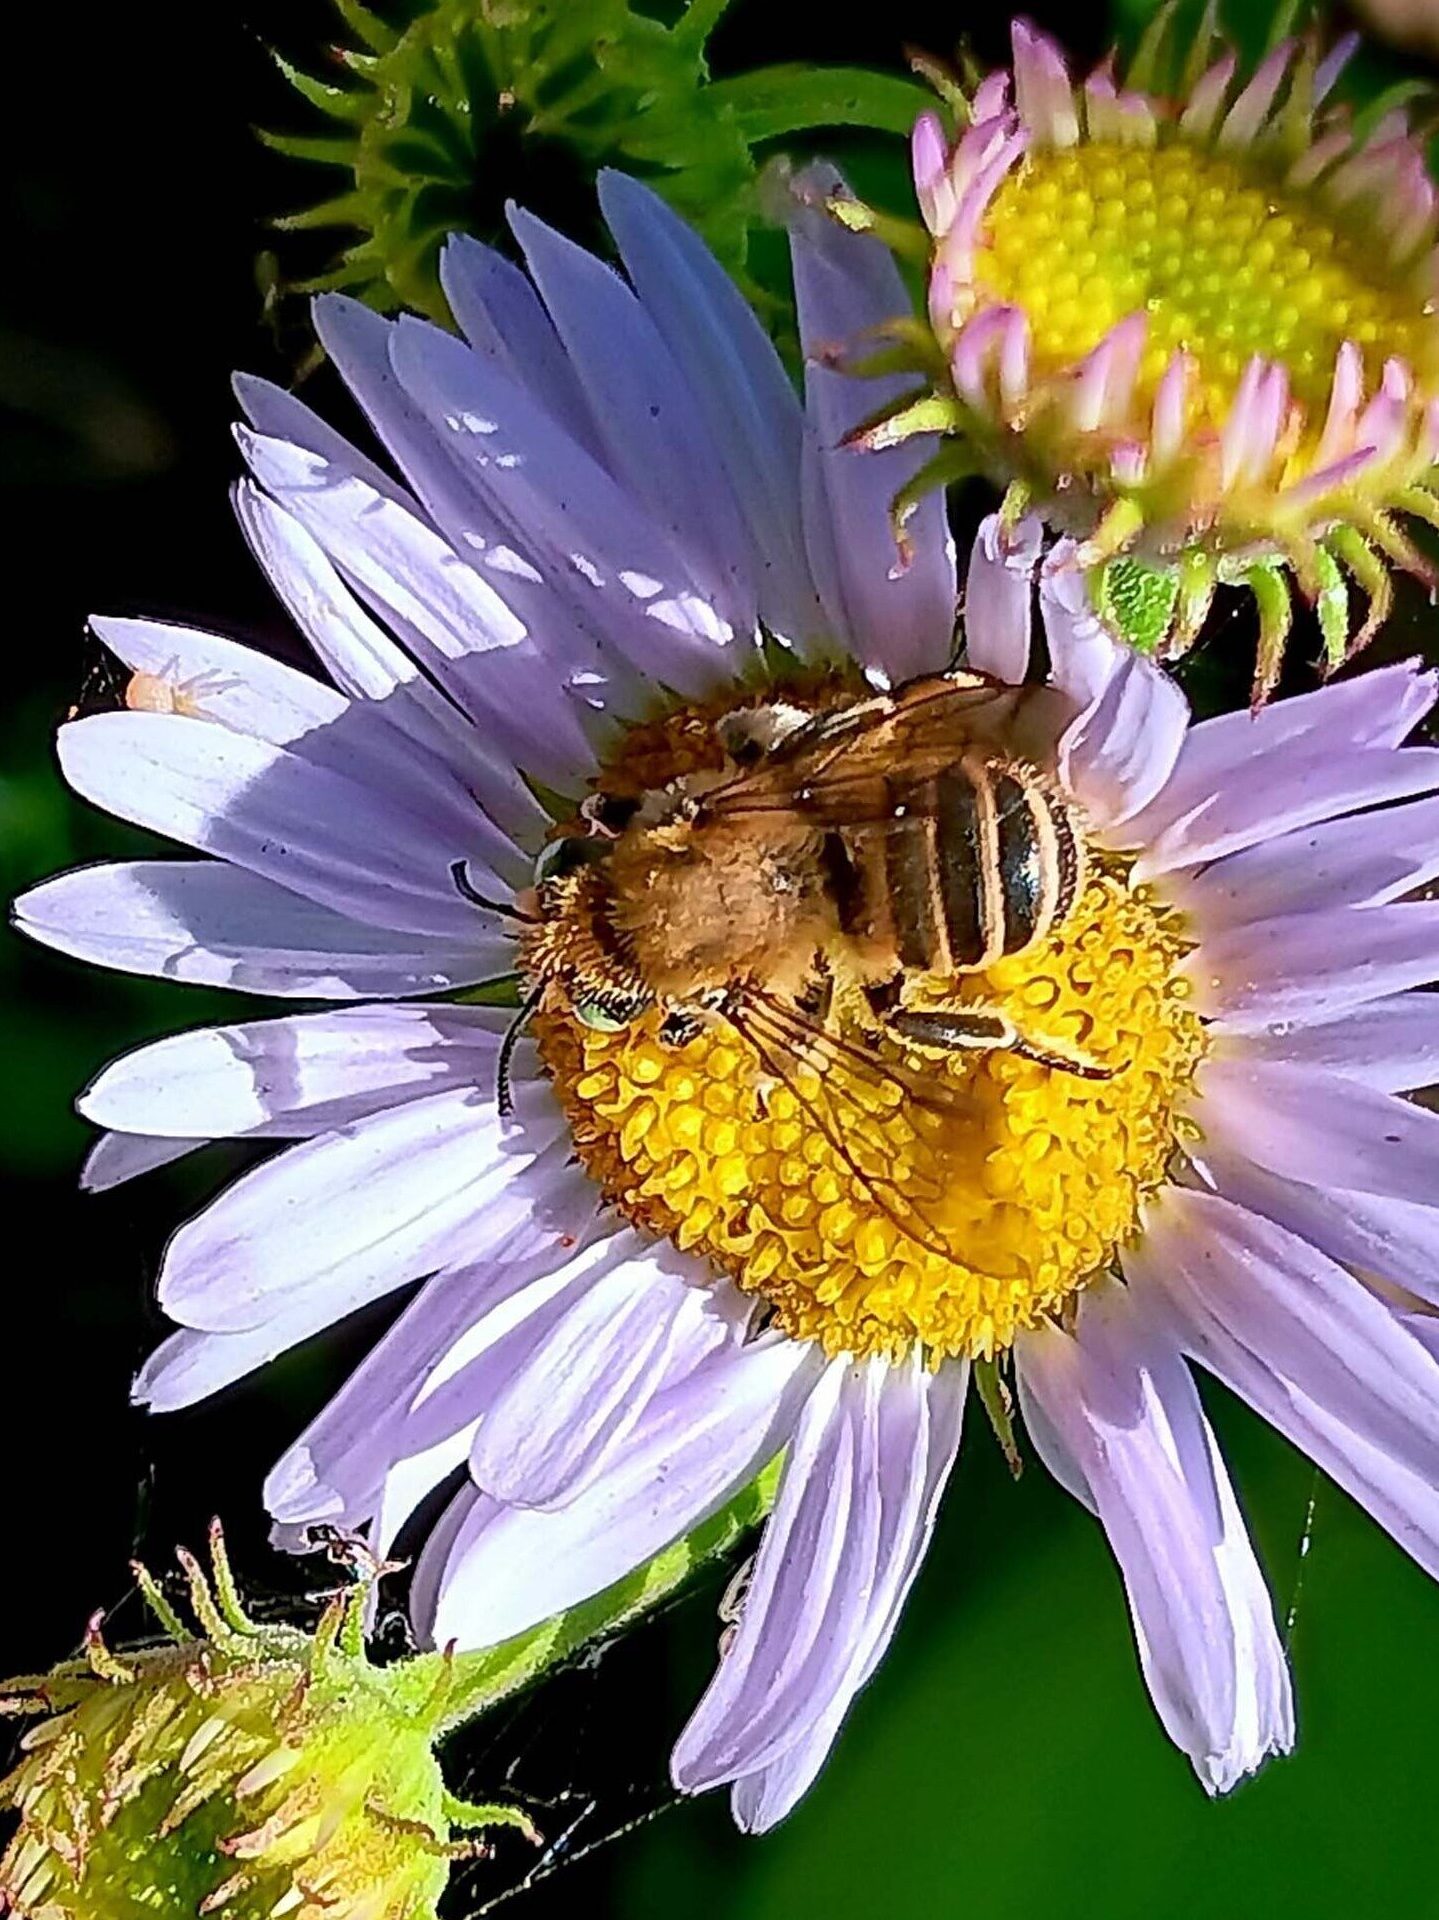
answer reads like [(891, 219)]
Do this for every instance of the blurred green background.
[(1005, 1762)]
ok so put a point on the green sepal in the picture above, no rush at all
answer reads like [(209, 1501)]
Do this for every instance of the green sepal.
[(1136, 601), (1197, 577), (924, 412), (377, 35), (1331, 605), (1268, 581), (338, 102), (1355, 554), (998, 1404), (330, 150)]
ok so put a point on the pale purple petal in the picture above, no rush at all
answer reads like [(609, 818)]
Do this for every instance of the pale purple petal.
[(337, 1467), (280, 415), (1276, 793), (241, 689), (653, 438), (500, 315), (1364, 860), (1376, 709), (1312, 966), (1083, 655), (1390, 1045), (594, 546), (850, 1520), (1126, 1410), (299, 1075), (1306, 1124), (443, 744), (894, 612), (563, 1398), (524, 631), (1043, 94), (744, 395), (235, 685), (118, 1157), (508, 1568), (446, 615), (219, 926), (764, 1797), (1309, 1348), (999, 596), (344, 845), (1120, 751), (1264, 1309), (351, 1215), (190, 1366), (1369, 1232)]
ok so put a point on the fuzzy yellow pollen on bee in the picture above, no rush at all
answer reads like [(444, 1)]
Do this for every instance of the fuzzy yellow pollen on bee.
[(850, 1008)]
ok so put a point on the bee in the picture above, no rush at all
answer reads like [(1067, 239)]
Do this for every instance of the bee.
[(804, 888)]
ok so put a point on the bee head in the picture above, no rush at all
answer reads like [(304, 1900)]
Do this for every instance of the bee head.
[(573, 945)]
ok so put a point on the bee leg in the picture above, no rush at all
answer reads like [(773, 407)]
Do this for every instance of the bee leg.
[(681, 1025), (951, 1029), (818, 995), (883, 995)]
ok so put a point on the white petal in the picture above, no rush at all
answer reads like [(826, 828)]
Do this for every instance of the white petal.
[(299, 1075), (349, 1216), (345, 845), (1131, 1427), (219, 926), (508, 1568)]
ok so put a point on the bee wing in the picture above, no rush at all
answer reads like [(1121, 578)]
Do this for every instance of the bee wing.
[(860, 764), (849, 1091)]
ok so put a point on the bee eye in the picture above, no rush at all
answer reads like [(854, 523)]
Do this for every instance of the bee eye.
[(601, 1018), (565, 855)]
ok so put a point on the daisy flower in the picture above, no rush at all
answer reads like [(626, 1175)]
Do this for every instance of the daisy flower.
[(1191, 320), (616, 532)]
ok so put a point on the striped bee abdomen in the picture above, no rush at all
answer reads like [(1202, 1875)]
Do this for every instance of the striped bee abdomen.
[(978, 862)]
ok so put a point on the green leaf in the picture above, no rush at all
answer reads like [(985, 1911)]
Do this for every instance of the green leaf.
[(790, 99)]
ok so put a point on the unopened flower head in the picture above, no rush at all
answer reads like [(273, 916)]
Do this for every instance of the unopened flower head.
[(889, 1021), (444, 107), (1191, 319), (246, 1771)]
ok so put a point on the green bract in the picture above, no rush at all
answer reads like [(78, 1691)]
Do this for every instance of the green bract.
[(436, 99), (253, 1770)]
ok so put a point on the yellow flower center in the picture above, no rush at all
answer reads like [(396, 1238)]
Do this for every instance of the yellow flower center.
[(955, 1222), (1225, 261)]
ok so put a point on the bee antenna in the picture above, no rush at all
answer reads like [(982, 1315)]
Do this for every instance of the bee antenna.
[(465, 887), (503, 1100)]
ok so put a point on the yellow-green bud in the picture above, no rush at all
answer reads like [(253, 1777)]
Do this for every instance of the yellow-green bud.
[(249, 1771)]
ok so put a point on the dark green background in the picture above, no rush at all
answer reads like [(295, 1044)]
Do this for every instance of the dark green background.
[(1005, 1763)]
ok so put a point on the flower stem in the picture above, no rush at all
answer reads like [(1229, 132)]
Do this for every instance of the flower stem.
[(480, 1679)]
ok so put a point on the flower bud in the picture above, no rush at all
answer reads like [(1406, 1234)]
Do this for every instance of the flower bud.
[(248, 1771)]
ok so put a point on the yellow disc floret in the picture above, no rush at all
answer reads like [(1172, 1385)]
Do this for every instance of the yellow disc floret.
[(1225, 262), (955, 1228)]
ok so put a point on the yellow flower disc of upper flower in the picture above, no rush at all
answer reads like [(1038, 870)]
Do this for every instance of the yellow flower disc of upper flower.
[(1196, 330)]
